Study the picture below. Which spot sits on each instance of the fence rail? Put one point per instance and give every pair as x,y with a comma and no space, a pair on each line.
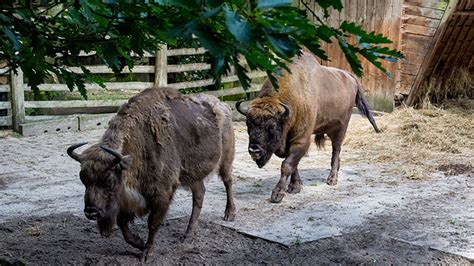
59,117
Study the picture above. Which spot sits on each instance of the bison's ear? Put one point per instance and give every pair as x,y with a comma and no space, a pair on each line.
126,162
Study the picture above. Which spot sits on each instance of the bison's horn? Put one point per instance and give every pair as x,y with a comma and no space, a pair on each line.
72,154
287,110
116,154
237,106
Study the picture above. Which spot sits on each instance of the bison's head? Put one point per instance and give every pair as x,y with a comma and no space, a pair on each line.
266,118
101,174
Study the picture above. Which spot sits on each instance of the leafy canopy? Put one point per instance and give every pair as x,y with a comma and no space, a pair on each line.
43,39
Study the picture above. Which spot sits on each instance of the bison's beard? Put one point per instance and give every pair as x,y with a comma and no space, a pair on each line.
263,160
107,221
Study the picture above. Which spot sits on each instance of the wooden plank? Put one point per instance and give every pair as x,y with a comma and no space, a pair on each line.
92,53
434,4
421,21
51,126
5,105
4,70
107,70
418,40
188,67
207,82
5,121
413,49
4,88
407,78
233,91
38,118
73,103
414,59
186,51
423,11
161,67
92,86
406,67
419,30
17,99
87,122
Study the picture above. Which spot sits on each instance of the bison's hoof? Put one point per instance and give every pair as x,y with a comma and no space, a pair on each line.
295,187
145,254
277,196
332,180
229,216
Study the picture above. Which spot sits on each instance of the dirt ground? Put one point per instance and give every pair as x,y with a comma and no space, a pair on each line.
375,215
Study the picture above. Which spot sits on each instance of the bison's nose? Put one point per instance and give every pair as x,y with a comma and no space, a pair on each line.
255,151
92,213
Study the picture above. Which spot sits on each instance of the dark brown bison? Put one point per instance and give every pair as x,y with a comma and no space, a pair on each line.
156,142
313,99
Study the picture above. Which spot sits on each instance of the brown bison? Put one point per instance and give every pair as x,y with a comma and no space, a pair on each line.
156,142
313,99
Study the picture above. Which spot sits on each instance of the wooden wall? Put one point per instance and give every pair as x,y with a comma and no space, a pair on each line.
381,16
420,21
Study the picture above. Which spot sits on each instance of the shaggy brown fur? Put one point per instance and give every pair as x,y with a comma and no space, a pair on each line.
314,99
169,140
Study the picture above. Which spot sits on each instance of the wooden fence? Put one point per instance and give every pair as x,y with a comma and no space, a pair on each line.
18,107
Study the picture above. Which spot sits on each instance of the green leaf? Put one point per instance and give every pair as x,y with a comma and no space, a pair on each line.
350,55
363,36
237,26
283,46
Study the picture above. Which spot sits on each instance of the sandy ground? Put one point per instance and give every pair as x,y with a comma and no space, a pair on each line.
372,216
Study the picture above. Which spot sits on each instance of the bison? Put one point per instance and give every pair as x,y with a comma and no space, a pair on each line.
313,99
158,141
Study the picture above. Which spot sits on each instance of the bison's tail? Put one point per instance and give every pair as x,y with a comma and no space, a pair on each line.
364,108
319,139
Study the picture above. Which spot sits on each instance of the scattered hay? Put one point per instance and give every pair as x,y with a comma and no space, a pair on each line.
413,141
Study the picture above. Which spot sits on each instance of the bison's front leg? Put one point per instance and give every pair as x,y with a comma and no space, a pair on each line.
288,167
129,237
296,184
155,219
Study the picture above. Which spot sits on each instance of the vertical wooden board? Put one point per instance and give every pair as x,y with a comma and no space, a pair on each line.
161,67
18,100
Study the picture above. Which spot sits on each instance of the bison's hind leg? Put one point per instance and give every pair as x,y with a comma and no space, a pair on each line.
198,190
225,172
336,137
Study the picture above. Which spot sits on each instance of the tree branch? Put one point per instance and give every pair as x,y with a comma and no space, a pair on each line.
312,12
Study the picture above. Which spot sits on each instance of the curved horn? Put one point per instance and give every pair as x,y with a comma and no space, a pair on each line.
237,106
287,110
72,154
116,154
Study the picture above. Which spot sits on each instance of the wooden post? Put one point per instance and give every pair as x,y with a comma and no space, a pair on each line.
161,67
18,99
